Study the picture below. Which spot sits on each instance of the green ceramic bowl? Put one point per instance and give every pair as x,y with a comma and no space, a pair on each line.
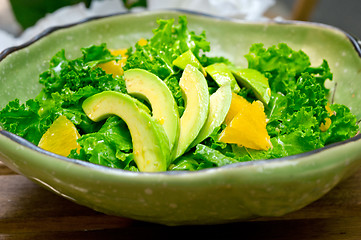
232,193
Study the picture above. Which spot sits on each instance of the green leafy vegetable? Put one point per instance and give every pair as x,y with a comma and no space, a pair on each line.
297,108
24,120
344,125
66,84
111,146
281,64
168,42
72,76
212,156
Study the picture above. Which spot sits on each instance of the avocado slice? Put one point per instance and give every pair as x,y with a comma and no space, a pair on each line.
222,75
195,92
255,80
146,85
188,58
219,104
150,142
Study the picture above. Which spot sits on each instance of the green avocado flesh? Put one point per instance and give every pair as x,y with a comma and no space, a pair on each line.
222,75
195,90
150,142
144,84
219,104
188,58
253,79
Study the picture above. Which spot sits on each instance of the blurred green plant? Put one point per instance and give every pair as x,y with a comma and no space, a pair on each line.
28,12
134,3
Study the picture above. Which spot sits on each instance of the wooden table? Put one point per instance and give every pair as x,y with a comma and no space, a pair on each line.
28,211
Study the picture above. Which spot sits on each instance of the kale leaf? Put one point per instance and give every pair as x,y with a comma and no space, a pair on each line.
66,84
24,120
169,41
110,146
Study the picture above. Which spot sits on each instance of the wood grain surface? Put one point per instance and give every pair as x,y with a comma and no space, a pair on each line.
28,211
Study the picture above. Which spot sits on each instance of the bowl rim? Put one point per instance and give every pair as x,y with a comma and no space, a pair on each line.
354,40
356,43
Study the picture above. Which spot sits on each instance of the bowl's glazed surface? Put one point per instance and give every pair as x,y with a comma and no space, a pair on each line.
235,192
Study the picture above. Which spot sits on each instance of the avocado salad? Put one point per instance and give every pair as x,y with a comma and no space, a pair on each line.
164,104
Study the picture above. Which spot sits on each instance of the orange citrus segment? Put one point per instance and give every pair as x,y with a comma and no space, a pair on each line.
325,126
246,125
115,67
237,104
61,137
142,42
117,52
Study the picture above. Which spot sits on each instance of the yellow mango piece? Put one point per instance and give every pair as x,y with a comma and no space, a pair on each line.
61,137
115,67
246,125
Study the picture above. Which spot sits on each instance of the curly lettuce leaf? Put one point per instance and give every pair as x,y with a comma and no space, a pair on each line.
185,162
75,74
303,107
279,63
169,41
69,82
172,83
66,84
24,120
321,74
343,125
111,146
212,156
296,142
202,157
309,94
177,38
